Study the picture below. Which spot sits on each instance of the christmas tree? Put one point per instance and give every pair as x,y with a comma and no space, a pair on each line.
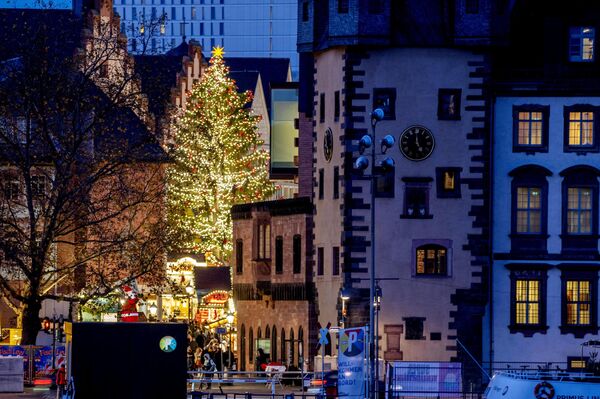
218,163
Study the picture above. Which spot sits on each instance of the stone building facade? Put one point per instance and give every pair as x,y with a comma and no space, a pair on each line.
428,74
272,281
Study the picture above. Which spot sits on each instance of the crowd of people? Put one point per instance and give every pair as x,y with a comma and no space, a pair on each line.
209,353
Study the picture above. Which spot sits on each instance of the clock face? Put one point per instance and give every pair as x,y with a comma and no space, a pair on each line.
167,344
416,143
328,144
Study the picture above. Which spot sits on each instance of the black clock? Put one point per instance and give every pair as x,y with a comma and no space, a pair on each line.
328,144
416,143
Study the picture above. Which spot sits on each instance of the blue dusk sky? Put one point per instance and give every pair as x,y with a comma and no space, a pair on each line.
53,4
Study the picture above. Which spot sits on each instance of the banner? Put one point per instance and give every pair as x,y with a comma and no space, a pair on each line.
42,356
352,363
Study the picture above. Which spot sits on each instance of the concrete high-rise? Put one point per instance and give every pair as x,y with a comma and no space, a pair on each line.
245,28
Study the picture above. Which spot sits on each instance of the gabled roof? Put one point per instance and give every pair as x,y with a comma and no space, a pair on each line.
245,80
272,70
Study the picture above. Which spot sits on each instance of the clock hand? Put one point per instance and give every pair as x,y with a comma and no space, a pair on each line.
417,141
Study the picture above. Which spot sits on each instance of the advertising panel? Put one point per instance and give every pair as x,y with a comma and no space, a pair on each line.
352,362
424,379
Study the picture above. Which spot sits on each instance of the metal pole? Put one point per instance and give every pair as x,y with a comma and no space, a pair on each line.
372,385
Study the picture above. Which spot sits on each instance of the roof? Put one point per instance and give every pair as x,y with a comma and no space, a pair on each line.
291,206
272,70
245,80
158,74
212,278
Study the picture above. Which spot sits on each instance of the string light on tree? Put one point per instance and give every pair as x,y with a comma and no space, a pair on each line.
217,164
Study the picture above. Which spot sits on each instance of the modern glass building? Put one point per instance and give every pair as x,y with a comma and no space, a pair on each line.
245,28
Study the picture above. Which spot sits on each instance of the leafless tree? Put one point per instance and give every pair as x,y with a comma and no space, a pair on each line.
81,206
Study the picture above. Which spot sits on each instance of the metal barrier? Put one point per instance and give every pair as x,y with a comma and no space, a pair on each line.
268,378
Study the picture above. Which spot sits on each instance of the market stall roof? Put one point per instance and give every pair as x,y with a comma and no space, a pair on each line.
175,256
209,279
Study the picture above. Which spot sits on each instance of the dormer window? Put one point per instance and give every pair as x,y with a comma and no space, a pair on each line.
581,44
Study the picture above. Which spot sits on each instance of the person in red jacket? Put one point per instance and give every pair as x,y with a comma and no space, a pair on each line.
61,379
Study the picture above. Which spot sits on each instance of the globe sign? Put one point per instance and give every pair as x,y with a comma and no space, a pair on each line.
167,344
352,342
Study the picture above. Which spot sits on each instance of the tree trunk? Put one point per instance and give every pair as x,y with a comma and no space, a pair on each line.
30,322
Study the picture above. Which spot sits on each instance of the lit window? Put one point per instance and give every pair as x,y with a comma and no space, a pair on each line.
530,128
527,302
142,29
264,241
431,260
38,186
578,303
581,44
163,28
529,210
579,210
581,128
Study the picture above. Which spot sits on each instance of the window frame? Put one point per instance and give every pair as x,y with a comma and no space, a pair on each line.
529,272
580,244
335,261
263,241
580,148
441,191
442,113
522,242
387,179
297,254
336,105
577,32
389,112
578,272
279,255
336,183
320,261
416,183
409,334
428,247
321,107
321,183
529,148
239,256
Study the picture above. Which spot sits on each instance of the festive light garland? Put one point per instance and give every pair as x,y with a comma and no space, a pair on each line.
217,164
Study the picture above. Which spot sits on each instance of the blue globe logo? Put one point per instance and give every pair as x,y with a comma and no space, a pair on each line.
352,342
167,344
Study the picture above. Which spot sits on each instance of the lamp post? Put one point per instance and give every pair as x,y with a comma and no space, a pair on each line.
344,296
362,163
230,319
189,290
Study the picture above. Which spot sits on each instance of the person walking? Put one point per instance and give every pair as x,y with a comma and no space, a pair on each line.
209,369
61,380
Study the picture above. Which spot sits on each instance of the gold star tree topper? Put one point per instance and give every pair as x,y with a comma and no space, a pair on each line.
218,52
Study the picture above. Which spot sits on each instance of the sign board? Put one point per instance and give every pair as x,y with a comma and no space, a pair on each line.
420,379
352,363
221,330
323,336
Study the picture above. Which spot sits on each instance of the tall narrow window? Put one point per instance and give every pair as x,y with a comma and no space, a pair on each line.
264,241
279,255
335,260
322,107
321,183
336,106
336,184
578,302
527,302
581,44
11,189
579,210
528,298
385,98
449,104
529,210
320,261
297,253
239,256
416,198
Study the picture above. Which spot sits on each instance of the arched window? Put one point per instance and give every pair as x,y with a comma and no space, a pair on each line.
243,347
292,344
274,344
580,209
283,351
267,332
251,354
300,342
259,333
432,259
529,204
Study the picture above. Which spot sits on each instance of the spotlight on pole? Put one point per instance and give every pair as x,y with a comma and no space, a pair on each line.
376,116
365,142
361,163
387,164
386,143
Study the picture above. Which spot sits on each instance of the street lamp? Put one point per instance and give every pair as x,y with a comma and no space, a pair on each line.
189,290
230,319
344,296
153,310
362,163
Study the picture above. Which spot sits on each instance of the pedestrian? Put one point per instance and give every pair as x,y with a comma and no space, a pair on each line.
209,369
198,358
261,360
61,379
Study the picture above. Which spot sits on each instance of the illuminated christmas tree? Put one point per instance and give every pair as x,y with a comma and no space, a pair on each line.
217,163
